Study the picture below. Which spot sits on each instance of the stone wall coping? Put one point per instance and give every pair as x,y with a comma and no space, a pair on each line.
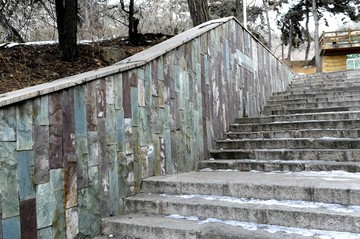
132,62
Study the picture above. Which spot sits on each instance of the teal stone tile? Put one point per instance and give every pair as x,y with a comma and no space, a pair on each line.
148,84
160,68
9,186
8,124
161,102
114,180
128,136
26,173
141,88
145,152
118,87
41,110
177,78
110,90
143,126
134,107
82,163
41,154
111,135
24,122
57,197
72,222
120,130
45,233
11,228
80,111
123,173
44,206
93,148
89,205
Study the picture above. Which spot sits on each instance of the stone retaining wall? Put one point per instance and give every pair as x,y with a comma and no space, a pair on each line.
73,149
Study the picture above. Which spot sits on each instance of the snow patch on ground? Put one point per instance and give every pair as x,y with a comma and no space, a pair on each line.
272,202
273,228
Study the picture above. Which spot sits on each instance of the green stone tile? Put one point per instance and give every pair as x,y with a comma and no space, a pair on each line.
120,130
41,110
110,90
44,208
134,107
89,205
80,111
83,162
57,197
24,122
118,87
111,135
8,124
11,228
9,186
141,87
26,173
168,157
93,148
114,180
72,222
128,136
45,233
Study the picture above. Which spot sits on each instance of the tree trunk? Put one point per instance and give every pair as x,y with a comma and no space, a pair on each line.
66,16
268,22
199,11
317,49
239,11
308,37
290,41
13,34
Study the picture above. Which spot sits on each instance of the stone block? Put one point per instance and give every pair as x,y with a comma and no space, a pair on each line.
72,222
24,122
101,98
45,233
44,209
26,173
91,106
82,162
70,180
41,154
57,198
9,186
118,91
28,219
134,107
11,228
55,146
113,180
120,130
126,95
111,134
94,148
41,110
80,111
8,124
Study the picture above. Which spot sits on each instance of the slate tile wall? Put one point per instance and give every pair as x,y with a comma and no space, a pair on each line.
70,157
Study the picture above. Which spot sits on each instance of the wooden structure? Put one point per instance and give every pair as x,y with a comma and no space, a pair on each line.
340,50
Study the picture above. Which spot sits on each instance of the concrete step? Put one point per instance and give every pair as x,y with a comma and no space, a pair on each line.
278,165
310,110
352,115
314,95
330,104
330,98
339,155
335,90
296,125
306,133
290,143
323,85
152,226
274,212
328,187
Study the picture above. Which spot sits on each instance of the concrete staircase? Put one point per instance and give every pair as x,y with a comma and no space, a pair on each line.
294,172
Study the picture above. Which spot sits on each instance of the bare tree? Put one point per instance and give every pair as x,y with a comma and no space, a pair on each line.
66,16
317,47
199,11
